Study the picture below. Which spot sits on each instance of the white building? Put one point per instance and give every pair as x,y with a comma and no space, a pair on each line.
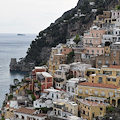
51,94
70,42
71,86
78,68
115,14
42,103
28,114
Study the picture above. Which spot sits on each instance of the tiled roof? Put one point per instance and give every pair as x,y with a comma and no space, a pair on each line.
114,66
25,110
29,111
98,85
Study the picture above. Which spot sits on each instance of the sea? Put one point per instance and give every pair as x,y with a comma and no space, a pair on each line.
11,46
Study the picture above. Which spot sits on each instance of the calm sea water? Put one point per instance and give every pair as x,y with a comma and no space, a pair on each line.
11,46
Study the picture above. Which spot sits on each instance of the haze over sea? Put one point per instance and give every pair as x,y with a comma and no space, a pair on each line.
11,46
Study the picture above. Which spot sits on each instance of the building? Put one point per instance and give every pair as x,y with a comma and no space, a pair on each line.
55,62
39,103
110,91
66,50
64,108
52,93
43,81
94,37
38,69
112,58
71,85
60,76
106,76
28,114
92,107
77,69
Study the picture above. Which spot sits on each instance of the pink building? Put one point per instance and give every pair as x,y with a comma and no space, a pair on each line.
94,37
95,50
66,50
44,81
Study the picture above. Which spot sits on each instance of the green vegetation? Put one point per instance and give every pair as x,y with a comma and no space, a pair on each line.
44,109
35,81
39,84
10,97
57,32
110,109
77,39
70,57
118,7
2,118
29,92
33,97
68,75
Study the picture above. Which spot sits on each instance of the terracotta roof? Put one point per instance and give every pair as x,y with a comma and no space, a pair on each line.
98,85
25,110
114,66
29,111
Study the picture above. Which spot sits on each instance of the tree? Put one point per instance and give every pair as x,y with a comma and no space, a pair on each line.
70,57
77,39
118,7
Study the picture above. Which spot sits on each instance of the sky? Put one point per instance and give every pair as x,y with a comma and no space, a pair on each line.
31,16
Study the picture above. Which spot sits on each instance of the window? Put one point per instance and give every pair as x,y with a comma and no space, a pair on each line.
40,106
87,51
90,41
57,96
86,41
102,51
106,61
86,91
114,79
114,53
52,95
92,51
99,61
72,89
108,79
80,91
97,51
69,89
101,108
111,94
100,80
103,93
96,92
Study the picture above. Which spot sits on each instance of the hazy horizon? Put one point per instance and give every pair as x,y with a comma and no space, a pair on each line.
30,17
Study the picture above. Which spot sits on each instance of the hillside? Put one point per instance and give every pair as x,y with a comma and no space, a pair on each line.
65,27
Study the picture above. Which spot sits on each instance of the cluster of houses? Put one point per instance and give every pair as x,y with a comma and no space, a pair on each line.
82,90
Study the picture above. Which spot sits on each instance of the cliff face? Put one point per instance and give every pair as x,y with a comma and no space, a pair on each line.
64,27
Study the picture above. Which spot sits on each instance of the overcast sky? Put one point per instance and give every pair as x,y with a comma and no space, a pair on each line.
31,16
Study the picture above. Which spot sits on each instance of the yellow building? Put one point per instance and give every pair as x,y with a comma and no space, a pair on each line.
109,91
90,71
65,108
91,107
55,62
107,50
106,76
9,113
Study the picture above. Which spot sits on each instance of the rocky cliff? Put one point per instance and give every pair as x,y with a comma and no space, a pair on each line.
68,25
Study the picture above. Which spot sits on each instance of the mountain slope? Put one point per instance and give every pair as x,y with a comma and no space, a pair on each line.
65,27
